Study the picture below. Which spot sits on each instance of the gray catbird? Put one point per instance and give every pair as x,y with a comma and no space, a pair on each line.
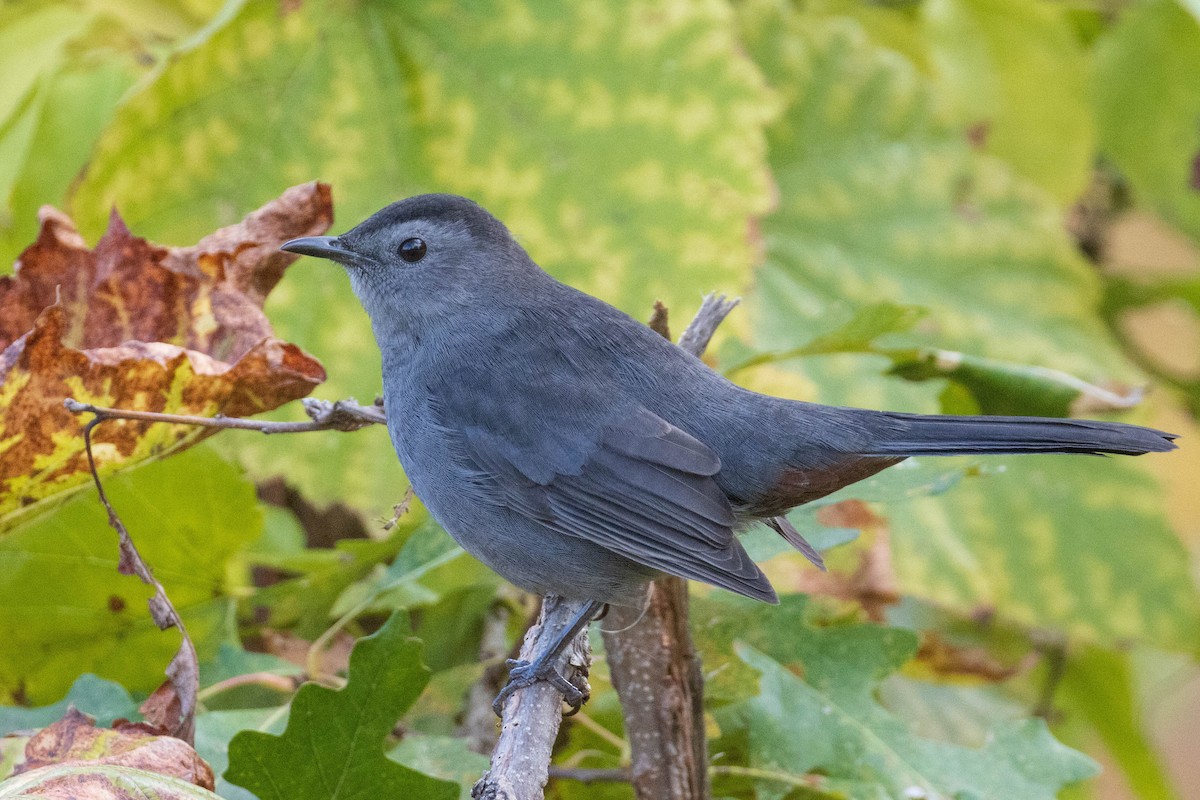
574,450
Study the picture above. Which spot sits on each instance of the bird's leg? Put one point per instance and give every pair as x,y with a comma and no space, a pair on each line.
542,668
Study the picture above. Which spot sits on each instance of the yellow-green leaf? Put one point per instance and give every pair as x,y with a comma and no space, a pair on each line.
1015,77
622,143
1148,107
1079,545
67,611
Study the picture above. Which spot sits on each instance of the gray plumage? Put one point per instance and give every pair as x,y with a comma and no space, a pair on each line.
573,450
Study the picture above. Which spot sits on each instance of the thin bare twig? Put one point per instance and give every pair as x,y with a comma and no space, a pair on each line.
1054,653
587,776
268,680
172,705
699,332
342,415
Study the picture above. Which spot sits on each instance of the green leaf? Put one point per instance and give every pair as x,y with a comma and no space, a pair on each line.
858,334
332,748
623,145
103,700
445,757
65,120
1075,544
214,731
304,603
962,713
853,741
870,748
989,385
882,202
1147,114
1098,685
429,567
1015,74
1001,387
66,609
792,631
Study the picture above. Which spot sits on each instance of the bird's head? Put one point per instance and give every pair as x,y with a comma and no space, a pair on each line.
428,256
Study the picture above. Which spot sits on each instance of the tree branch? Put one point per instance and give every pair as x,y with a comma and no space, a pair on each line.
653,661
521,761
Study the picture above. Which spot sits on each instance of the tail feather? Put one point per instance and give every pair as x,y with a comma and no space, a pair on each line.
920,435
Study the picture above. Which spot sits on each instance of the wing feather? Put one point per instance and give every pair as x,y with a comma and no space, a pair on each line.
645,491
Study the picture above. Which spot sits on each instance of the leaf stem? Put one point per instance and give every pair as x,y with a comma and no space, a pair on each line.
807,781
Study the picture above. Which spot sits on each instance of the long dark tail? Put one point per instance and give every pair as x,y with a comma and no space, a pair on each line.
920,435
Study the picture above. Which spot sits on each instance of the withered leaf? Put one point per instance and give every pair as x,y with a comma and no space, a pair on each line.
133,325
75,740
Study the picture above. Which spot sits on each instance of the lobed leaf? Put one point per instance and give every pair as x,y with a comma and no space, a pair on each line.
136,326
852,743
332,748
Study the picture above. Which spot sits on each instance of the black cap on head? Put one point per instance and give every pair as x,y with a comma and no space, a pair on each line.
440,208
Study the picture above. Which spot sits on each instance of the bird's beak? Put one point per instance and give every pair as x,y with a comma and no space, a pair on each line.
321,247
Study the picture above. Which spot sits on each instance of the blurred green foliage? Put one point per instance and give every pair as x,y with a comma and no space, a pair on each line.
887,182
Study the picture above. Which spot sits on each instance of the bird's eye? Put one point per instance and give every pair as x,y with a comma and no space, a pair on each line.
412,250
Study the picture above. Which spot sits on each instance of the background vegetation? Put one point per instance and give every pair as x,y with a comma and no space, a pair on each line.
957,205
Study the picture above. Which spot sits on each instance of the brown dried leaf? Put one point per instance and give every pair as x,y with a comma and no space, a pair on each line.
943,659
334,658
75,740
133,325
872,584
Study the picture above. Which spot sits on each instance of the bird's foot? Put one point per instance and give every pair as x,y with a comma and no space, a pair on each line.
525,673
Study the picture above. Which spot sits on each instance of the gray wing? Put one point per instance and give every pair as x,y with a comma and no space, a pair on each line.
641,488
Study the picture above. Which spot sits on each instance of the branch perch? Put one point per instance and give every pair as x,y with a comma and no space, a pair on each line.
521,761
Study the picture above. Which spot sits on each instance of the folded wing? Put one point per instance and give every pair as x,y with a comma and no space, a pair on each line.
640,487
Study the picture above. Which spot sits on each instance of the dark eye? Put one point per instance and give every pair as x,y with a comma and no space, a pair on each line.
412,250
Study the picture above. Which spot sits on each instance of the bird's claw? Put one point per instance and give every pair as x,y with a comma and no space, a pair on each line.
523,673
